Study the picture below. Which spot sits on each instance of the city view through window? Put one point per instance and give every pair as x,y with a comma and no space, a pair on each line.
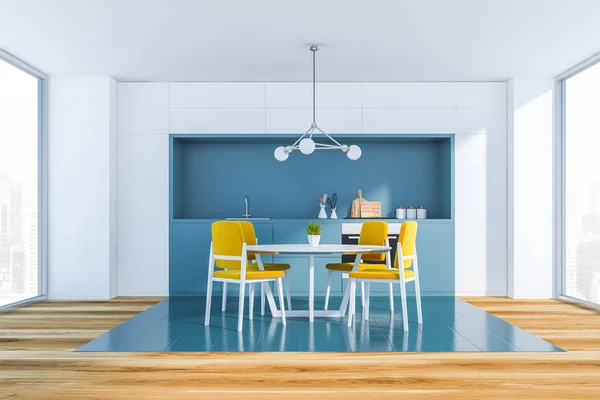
18,184
581,278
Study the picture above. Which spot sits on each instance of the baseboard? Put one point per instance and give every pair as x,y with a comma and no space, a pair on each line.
481,294
163,293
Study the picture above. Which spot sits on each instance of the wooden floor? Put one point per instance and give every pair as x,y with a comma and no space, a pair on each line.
37,362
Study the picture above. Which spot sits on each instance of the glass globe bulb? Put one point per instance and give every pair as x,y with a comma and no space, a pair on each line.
354,152
281,154
307,146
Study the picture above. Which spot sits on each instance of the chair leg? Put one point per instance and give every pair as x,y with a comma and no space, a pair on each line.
251,301
208,301
391,296
328,289
362,293
262,298
286,282
352,308
418,294
224,301
241,306
404,307
280,290
367,299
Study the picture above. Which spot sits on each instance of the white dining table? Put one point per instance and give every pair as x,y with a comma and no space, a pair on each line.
311,252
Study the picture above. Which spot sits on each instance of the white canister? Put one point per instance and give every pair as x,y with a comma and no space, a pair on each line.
421,213
411,213
401,213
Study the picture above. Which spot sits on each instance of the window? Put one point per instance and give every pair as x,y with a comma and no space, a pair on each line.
21,134
580,117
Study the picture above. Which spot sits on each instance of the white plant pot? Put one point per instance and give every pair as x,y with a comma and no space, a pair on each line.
333,214
314,240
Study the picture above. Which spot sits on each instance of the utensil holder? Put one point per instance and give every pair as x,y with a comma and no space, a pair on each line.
322,213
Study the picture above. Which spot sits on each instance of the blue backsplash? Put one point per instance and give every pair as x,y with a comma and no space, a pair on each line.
210,176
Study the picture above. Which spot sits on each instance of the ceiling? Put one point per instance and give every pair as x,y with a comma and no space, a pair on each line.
260,40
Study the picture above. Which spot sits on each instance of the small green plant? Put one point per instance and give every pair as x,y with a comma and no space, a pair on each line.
313,228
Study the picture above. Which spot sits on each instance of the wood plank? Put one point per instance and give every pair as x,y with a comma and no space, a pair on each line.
37,362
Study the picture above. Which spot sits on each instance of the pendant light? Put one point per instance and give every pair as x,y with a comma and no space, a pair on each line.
305,143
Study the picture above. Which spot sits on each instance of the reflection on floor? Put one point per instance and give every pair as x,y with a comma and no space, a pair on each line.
449,324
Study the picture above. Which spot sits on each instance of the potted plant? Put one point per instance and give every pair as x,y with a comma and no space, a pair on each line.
314,233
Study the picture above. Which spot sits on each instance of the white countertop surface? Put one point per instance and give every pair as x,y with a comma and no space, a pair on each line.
321,249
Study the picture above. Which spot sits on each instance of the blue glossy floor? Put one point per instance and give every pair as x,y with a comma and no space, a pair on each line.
449,324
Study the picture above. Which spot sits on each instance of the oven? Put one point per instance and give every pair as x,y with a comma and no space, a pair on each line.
353,239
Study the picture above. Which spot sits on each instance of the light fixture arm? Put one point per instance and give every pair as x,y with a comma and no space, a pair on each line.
314,48
306,144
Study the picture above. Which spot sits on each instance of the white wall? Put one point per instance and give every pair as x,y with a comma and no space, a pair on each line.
143,189
530,184
81,177
148,112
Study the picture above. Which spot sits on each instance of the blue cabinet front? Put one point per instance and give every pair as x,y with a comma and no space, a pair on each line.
190,246
188,258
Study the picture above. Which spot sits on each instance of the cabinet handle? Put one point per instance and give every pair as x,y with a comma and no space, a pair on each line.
358,237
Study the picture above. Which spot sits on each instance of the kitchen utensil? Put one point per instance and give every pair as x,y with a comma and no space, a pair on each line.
362,208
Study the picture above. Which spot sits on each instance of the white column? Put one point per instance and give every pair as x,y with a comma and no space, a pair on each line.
81,187
530,188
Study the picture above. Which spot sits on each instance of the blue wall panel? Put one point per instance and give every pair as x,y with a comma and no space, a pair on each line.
215,177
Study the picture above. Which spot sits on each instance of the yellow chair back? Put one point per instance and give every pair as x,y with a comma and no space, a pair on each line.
408,238
373,233
227,240
249,236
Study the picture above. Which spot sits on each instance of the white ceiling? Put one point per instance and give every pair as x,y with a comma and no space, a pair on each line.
260,40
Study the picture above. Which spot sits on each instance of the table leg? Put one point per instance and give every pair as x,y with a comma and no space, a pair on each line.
346,297
268,293
311,289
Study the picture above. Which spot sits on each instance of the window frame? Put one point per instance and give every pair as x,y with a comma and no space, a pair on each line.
42,213
560,179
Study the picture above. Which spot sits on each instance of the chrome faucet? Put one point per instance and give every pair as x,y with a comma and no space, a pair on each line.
246,215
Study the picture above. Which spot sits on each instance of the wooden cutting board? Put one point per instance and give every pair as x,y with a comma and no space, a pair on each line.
362,208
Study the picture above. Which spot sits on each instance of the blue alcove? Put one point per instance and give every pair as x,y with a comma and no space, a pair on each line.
211,176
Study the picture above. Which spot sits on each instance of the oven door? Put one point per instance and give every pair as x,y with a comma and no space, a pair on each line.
353,239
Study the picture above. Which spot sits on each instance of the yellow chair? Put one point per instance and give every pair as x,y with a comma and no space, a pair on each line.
251,239
408,250
372,233
228,253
